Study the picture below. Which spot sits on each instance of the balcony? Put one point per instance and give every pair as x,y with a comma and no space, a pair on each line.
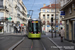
23,19
18,15
23,13
66,4
7,10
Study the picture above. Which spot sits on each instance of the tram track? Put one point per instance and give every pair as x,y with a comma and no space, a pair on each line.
35,44
43,45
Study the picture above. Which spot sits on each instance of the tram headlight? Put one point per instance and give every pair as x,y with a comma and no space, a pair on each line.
31,32
38,32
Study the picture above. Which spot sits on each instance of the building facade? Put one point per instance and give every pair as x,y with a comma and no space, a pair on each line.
46,13
69,18
12,12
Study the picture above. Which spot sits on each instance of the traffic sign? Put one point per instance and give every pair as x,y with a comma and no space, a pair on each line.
9,18
56,25
48,26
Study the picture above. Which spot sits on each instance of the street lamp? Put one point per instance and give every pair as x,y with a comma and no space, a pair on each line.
52,26
55,18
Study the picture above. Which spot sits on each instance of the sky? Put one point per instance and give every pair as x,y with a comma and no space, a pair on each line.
35,5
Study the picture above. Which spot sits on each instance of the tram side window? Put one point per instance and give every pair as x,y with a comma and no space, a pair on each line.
39,28
30,26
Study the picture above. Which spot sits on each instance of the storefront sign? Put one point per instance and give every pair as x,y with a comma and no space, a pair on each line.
62,13
21,24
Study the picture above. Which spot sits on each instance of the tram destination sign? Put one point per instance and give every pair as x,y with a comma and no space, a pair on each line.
34,21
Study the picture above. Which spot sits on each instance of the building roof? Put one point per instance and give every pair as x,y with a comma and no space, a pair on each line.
51,7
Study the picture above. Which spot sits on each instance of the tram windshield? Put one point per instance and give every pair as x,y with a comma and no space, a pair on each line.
35,27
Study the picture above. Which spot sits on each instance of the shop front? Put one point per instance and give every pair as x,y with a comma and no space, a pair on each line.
73,35
70,30
1,26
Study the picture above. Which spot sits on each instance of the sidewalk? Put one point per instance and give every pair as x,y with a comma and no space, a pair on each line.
63,45
13,34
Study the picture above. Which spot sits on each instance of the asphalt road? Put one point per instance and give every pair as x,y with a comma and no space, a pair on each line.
7,41
36,44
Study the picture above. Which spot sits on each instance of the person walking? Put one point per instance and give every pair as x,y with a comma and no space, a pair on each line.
62,34
59,32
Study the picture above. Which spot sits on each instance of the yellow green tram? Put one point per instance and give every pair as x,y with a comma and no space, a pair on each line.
34,28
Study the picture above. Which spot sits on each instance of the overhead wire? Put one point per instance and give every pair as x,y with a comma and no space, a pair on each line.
31,9
33,5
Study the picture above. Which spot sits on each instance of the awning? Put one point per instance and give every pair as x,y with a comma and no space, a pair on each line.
72,17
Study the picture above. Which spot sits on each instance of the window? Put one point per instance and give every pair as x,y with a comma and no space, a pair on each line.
18,7
47,22
1,15
48,16
52,10
34,27
47,10
73,6
43,22
70,10
18,14
52,15
1,3
44,16
57,16
43,10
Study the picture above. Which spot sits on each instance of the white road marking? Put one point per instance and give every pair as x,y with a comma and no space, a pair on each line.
11,48
54,43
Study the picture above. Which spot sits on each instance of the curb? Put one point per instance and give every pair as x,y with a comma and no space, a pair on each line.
54,43
14,46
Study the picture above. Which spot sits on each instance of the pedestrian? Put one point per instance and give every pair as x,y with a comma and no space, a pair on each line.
62,34
59,32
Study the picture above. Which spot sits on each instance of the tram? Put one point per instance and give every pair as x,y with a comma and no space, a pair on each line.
34,28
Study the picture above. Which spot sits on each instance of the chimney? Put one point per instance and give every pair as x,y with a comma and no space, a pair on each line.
50,4
44,5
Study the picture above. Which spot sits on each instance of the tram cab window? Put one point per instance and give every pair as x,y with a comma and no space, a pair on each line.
30,26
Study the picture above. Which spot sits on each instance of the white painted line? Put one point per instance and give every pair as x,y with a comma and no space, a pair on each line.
72,43
54,43
11,48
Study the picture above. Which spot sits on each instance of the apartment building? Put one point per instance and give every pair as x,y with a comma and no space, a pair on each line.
12,13
46,13
69,18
